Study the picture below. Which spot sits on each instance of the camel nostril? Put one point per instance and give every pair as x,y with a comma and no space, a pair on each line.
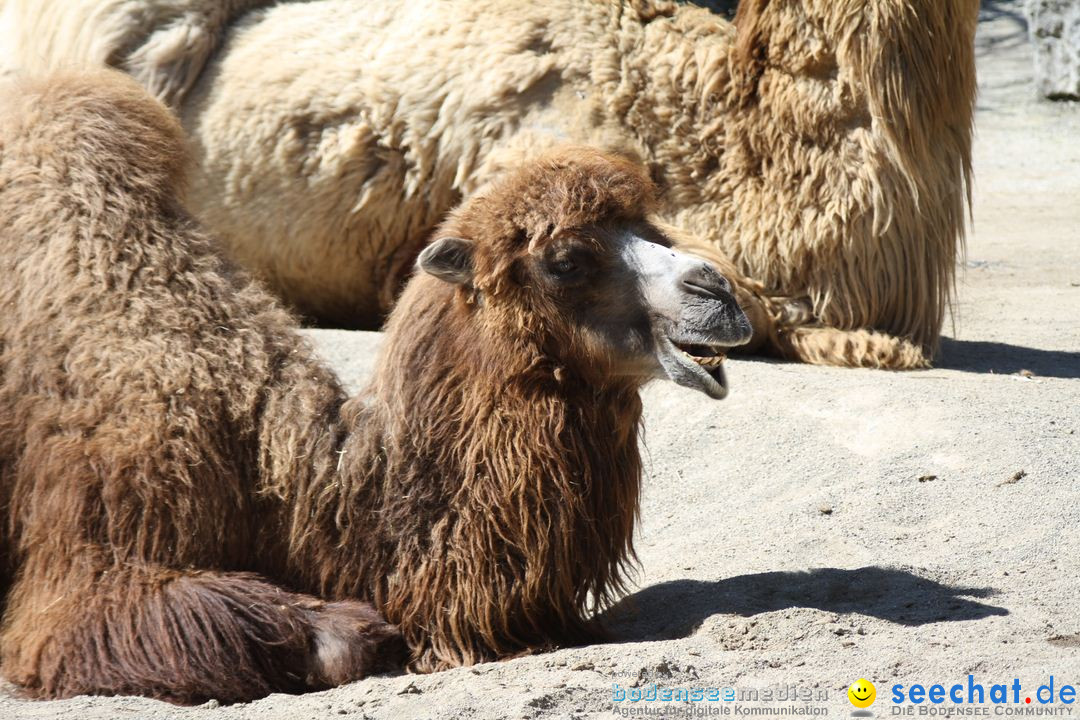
697,289
704,280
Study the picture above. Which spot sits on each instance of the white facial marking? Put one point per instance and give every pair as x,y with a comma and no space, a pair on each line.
659,270
691,309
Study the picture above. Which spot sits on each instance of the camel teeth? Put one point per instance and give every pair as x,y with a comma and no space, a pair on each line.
712,361
708,361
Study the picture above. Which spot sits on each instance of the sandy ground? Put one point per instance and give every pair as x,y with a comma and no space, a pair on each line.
823,525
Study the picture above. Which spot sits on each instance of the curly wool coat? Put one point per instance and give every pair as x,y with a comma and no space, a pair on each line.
822,147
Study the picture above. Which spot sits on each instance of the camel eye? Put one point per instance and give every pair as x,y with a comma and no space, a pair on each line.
568,264
562,267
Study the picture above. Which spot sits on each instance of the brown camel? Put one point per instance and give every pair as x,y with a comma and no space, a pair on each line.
192,509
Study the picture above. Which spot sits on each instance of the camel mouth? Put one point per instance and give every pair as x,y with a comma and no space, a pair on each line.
697,366
704,355
709,358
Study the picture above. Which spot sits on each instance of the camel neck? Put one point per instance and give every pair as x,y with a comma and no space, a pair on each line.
462,481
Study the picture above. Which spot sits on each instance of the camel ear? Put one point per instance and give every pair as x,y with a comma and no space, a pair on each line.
448,259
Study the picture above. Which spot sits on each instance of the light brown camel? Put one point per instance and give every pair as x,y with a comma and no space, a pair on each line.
820,148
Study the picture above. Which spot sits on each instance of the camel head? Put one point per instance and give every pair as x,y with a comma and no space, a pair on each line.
564,251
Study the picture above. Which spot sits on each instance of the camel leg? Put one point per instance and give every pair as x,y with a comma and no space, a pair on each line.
849,348
787,327
184,636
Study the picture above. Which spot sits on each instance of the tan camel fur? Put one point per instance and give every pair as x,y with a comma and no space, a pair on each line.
821,148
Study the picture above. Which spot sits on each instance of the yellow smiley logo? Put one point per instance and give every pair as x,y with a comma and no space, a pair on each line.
862,693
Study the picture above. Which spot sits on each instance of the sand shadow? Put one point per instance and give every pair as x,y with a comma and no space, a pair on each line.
1004,359
1010,26
1011,10
676,609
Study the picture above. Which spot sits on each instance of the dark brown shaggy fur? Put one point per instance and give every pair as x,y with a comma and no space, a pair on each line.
191,507
507,467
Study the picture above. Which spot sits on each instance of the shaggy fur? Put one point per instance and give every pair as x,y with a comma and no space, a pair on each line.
822,146
148,396
192,508
164,44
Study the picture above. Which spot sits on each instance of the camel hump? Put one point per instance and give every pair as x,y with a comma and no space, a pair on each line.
98,129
